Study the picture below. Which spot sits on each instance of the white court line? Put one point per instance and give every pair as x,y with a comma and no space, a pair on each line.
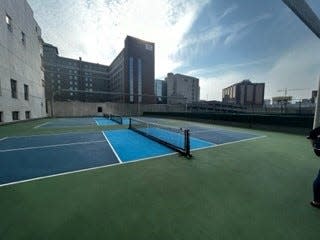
98,124
80,171
243,140
159,156
106,166
41,125
53,134
59,174
49,146
200,140
115,153
228,143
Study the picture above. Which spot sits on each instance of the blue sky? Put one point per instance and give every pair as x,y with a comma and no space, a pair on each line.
219,41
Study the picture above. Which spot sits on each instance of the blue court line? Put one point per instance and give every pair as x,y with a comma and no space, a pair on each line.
100,121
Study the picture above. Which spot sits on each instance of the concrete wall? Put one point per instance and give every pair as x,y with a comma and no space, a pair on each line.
19,61
80,109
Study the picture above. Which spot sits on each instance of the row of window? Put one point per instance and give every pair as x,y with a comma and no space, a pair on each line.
14,90
72,83
72,77
10,28
16,115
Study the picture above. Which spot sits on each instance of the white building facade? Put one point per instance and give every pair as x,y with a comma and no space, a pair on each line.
182,89
22,94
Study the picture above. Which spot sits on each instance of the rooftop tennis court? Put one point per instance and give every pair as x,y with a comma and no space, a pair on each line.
31,157
247,185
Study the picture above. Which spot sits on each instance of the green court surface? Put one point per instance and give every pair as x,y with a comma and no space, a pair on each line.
258,189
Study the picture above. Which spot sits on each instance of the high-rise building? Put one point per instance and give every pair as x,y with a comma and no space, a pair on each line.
182,89
160,91
77,76
128,79
132,72
244,93
21,76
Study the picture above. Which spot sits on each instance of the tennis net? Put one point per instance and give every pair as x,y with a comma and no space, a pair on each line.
177,139
116,118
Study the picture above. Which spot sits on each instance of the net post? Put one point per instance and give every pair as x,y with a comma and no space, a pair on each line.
187,142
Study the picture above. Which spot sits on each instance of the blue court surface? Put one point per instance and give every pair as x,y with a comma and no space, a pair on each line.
30,157
78,122
104,121
220,136
138,147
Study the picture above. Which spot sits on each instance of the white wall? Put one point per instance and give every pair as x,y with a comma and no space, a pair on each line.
20,62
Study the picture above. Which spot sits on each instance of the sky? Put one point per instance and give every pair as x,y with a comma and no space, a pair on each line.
221,42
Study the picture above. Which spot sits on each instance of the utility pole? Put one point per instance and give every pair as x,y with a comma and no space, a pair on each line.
306,14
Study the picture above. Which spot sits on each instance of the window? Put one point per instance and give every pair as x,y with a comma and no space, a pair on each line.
26,92
27,114
9,22
1,117
15,116
139,80
23,38
13,88
99,109
131,78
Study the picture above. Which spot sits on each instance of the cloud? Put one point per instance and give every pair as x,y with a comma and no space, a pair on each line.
296,68
228,11
218,34
211,87
96,29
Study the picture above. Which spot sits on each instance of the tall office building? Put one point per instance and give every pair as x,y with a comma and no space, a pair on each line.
182,89
21,76
128,79
132,72
244,93
80,78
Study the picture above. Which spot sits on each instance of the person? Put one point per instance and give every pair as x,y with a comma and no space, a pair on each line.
314,136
